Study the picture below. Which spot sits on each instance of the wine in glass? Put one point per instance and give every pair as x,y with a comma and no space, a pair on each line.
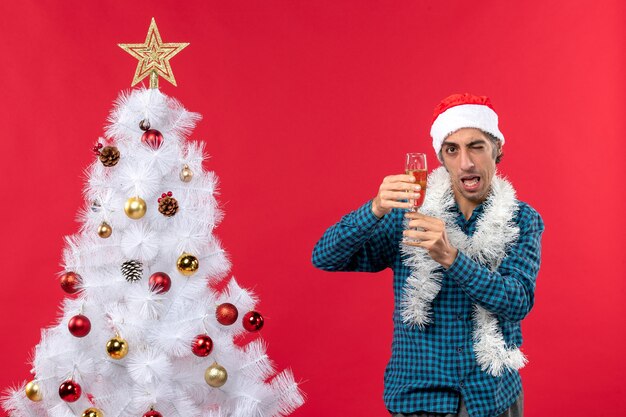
416,166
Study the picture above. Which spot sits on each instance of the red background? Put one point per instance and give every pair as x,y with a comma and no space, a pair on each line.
307,105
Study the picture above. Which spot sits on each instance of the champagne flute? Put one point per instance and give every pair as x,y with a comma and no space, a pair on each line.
416,166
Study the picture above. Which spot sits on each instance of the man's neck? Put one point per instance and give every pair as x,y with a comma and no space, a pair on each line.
465,206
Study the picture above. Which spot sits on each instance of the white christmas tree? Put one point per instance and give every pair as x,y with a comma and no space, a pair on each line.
145,332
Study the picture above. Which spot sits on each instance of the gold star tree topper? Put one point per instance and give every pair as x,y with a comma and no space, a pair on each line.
154,57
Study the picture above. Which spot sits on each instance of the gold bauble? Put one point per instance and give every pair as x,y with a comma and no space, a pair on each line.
186,174
104,230
33,392
135,208
215,375
92,412
117,347
187,264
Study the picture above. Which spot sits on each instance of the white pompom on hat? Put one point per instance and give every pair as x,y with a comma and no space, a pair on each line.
463,110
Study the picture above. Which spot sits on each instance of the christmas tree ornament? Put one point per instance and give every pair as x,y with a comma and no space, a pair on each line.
95,206
117,348
153,138
226,314
104,230
70,281
144,125
154,57
187,264
152,413
168,206
215,375
202,345
186,174
252,321
79,325
135,208
132,270
96,148
33,392
109,156
92,412
69,391
160,282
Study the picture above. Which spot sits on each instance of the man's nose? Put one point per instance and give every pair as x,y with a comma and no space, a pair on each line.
466,161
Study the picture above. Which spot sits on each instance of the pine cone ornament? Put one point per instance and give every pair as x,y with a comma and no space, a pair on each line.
168,206
132,270
109,156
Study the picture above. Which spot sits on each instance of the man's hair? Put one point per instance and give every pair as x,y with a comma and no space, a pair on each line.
496,146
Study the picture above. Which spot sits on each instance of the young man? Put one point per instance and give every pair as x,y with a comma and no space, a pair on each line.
464,271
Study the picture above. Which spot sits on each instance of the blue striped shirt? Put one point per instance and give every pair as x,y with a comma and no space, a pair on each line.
429,370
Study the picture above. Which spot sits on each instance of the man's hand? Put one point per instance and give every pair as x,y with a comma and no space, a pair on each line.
394,189
430,233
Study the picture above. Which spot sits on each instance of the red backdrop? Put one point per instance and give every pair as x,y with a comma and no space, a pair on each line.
307,106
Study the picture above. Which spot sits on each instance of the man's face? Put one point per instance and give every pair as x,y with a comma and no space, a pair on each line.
468,155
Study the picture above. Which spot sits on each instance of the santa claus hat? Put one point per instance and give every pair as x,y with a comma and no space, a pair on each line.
463,110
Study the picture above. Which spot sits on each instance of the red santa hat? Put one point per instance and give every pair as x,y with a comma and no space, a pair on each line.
463,110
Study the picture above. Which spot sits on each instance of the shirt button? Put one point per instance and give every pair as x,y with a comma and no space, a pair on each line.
459,349
459,316
461,384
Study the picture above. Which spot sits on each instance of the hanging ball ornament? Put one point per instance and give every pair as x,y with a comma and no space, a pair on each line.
33,392
144,125
160,282
135,208
253,321
153,138
104,230
202,345
117,348
69,391
187,264
92,412
226,314
79,325
215,375
152,413
70,282
186,174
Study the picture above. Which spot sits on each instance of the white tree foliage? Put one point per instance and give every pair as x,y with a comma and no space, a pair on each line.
160,369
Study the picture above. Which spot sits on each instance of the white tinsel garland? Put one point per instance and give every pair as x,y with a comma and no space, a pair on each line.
495,231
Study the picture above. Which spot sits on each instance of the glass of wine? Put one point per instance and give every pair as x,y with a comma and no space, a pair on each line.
416,166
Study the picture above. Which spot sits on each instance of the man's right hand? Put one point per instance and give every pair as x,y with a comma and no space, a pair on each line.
392,191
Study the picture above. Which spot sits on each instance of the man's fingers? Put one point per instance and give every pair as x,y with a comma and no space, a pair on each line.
399,186
398,195
396,204
399,178
423,236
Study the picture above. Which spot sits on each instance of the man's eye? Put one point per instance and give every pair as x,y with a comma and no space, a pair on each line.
450,150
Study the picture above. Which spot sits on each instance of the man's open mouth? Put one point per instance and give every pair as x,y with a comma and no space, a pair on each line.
470,182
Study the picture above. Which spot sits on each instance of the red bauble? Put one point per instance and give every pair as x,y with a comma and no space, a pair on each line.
153,138
69,391
79,325
160,282
70,282
226,314
153,413
202,345
253,321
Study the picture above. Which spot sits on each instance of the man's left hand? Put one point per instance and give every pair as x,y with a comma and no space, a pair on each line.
430,236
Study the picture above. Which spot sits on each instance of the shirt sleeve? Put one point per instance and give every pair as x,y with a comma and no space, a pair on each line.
509,292
359,242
